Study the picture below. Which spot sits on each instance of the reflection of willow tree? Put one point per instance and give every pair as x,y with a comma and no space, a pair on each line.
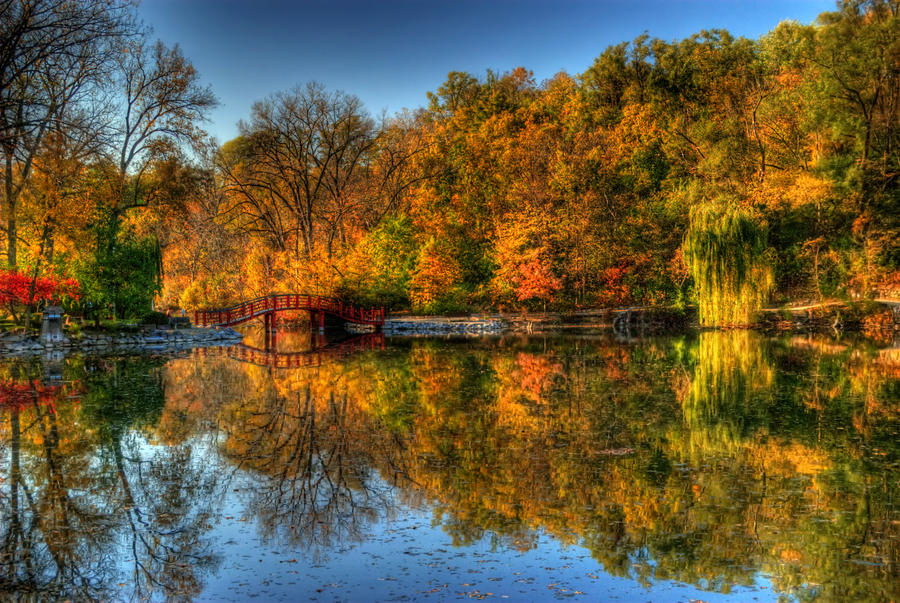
731,392
310,452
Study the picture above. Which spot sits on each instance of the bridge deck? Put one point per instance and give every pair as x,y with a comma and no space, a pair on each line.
270,304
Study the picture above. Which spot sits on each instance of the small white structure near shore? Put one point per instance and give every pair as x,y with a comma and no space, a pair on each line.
51,325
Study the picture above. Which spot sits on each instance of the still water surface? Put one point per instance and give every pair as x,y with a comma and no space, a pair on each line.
714,467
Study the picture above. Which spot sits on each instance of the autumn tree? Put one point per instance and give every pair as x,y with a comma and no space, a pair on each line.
21,293
161,103
54,57
857,75
713,168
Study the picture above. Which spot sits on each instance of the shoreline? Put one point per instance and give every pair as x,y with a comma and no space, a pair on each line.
877,320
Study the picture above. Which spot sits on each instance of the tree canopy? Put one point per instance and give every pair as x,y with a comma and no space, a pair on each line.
714,170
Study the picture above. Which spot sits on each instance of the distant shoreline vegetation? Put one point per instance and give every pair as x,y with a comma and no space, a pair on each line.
722,172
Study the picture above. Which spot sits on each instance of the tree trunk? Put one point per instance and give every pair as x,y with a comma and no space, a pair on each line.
816,272
11,210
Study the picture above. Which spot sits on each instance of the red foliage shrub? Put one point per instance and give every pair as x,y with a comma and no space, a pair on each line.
18,290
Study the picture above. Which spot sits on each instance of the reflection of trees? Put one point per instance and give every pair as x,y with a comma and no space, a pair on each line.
311,456
814,432
705,460
698,461
167,501
87,497
163,499
46,506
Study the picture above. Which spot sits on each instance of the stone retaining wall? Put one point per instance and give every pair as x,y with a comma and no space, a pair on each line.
443,326
152,340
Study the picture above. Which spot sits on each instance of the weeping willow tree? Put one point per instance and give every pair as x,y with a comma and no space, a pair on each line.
730,393
726,249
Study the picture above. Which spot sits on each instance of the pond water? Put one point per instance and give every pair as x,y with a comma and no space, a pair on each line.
717,466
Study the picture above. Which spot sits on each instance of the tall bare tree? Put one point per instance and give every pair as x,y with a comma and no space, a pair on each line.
297,164
161,104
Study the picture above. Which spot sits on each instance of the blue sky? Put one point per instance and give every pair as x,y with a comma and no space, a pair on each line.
390,53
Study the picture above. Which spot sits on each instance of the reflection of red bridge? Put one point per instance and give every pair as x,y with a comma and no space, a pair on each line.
293,360
268,306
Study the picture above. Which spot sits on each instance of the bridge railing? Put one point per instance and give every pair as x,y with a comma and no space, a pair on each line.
300,301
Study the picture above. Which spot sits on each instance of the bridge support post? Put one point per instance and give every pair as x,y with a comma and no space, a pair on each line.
317,340
317,321
270,330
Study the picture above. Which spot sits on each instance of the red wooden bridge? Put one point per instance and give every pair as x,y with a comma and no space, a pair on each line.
268,306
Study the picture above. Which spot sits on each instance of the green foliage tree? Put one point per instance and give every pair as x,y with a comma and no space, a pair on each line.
389,257
855,81
122,275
